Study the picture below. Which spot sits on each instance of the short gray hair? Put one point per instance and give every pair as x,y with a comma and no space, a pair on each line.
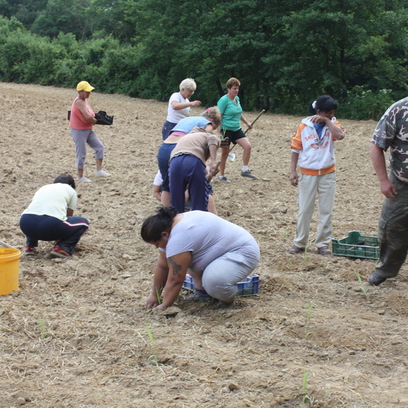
188,84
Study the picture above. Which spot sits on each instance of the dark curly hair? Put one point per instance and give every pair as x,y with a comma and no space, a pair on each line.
154,225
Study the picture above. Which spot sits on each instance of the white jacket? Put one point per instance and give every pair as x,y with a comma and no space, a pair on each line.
316,155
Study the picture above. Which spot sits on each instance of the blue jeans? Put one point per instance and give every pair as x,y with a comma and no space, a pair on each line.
163,158
46,228
167,128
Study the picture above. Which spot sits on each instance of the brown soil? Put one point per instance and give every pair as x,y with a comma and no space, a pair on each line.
77,334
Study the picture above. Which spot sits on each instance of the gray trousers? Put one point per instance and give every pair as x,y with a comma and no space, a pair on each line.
221,276
81,138
393,231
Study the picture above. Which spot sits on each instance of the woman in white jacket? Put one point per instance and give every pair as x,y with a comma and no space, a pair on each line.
313,149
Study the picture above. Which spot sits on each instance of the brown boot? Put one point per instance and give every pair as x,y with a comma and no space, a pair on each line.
296,250
324,250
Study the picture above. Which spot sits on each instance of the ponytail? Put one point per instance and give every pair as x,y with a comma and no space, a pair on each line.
154,225
324,103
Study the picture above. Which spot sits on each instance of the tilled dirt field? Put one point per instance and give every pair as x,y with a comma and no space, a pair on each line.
77,334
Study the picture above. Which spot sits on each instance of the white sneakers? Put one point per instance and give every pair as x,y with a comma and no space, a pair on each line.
100,173
86,180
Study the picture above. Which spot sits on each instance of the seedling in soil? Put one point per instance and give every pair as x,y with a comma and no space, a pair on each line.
362,287
158,295
308,316
153,358
304,387
43,331
306,253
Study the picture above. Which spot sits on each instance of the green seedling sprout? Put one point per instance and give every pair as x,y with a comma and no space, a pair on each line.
306,253
304,386
153,357
308,316
43,331
150,334
158,295
362,287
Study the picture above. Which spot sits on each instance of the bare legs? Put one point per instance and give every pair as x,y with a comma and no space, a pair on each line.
246,155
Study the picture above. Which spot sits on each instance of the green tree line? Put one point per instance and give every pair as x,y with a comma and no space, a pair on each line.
284,53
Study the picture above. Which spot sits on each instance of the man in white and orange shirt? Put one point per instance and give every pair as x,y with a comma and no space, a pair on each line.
313,149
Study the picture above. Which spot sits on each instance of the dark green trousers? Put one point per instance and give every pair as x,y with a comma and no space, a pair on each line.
393,231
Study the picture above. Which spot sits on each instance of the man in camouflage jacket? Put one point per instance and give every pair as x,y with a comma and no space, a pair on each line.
392,132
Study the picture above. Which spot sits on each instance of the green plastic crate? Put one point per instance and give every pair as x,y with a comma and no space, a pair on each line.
356,245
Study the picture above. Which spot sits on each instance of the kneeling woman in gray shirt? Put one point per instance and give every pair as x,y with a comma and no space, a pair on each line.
217,253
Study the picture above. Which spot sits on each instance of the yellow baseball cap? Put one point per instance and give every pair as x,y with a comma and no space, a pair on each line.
84,86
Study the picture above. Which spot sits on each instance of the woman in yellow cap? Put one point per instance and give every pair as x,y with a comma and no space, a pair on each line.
81,121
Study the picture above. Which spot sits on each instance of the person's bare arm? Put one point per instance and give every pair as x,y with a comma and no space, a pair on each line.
378,160
182,105
156,192
294,178
159,281
244,119
178,265
82,106
337,132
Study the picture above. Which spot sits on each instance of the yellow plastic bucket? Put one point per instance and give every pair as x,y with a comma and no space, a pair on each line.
9,270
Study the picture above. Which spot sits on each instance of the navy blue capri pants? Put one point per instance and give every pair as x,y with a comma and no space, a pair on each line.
46,228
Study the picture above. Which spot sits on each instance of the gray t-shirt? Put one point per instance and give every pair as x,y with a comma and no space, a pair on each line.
208,237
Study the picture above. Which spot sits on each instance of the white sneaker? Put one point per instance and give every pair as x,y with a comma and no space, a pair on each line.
102,173
86,180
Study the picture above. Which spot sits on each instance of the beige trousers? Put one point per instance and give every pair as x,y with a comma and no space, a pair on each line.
324,187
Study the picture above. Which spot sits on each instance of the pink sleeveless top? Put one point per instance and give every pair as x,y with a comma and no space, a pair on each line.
77,119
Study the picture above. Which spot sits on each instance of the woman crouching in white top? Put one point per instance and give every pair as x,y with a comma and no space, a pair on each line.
217,253
50,217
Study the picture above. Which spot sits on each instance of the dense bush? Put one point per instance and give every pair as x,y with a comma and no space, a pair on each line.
284,53
362,103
